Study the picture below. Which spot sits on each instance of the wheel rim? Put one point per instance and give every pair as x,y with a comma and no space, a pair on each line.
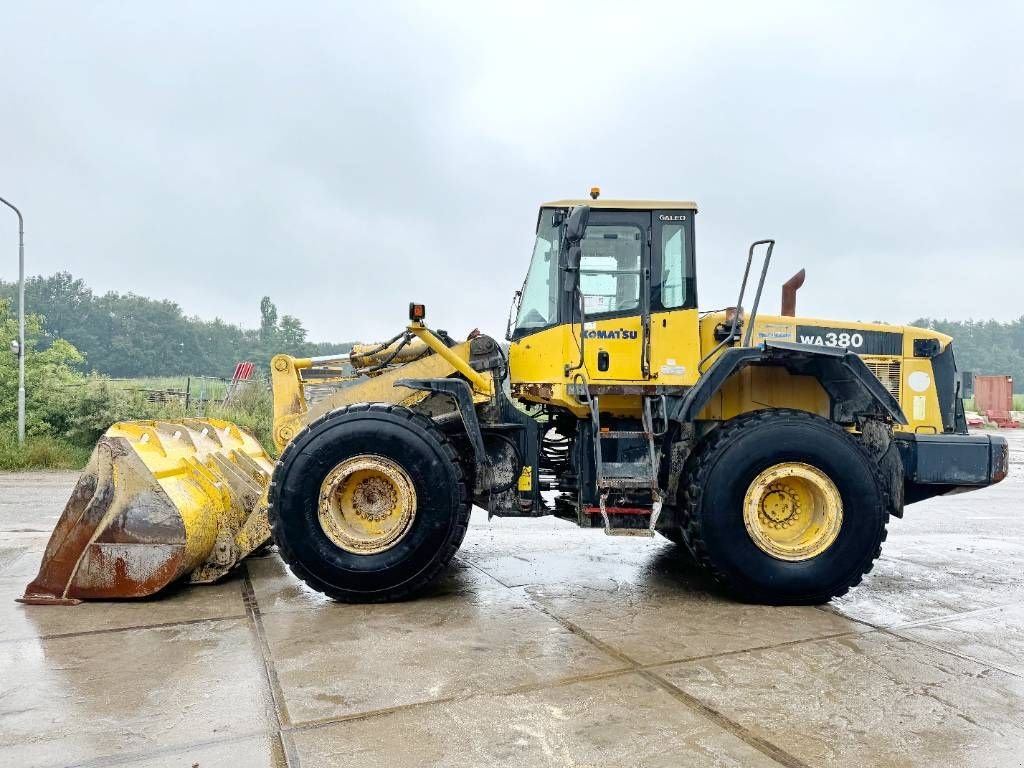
793,511
367,504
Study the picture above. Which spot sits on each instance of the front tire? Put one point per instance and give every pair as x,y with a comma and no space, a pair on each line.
369,503
784,507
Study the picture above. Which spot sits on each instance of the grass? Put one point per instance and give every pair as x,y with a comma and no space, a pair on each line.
201,388
40,452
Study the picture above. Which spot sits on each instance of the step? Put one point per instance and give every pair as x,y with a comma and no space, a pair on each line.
626,469
624,483
653,514
626,474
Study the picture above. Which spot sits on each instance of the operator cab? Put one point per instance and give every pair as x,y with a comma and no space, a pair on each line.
617,290
632,252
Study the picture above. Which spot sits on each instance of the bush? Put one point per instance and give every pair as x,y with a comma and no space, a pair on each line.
251,408
66,411
40,452
97,404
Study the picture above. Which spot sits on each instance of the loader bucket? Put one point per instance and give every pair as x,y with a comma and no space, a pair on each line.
158,501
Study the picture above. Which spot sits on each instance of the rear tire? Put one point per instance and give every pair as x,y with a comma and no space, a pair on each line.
724,474
416,551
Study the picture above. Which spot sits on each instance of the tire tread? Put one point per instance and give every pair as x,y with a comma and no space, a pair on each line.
455,538
698,471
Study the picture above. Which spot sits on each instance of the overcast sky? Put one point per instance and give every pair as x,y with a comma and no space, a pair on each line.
346,158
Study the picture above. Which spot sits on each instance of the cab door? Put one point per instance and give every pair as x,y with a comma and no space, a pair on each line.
614,278
674,335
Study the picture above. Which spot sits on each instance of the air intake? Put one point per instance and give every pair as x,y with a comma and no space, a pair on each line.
887,372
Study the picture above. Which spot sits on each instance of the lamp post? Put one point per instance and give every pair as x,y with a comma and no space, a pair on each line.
21,321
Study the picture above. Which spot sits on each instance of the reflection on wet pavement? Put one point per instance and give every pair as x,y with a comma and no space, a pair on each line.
542,645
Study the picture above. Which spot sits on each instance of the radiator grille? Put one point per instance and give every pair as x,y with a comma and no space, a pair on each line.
887,372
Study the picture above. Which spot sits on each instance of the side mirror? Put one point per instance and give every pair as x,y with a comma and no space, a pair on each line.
576,226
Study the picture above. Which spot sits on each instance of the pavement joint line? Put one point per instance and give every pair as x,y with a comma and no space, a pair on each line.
277,710
762,745
112,630
829,609
895,632
565,681
694,704
635,665
126,758
956,654
296,727
312,725
474,566
289,753
756,648
918,622
931,566
949,617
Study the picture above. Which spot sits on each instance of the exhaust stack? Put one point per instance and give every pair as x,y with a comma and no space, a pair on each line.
789,289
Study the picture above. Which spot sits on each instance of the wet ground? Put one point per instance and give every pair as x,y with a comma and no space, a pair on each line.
544,645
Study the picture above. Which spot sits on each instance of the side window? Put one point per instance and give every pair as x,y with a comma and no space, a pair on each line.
610,269
673,270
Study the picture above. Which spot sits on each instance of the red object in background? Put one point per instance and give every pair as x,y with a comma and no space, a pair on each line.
244,371
993,396
993,393
1001,419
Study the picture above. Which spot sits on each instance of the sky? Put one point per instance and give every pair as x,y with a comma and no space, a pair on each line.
348,158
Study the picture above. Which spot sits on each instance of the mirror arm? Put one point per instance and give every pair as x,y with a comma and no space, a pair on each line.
513,311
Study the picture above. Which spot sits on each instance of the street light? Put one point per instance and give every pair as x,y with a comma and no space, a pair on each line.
21,321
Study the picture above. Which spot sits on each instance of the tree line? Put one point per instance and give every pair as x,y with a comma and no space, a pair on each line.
985,346
127,335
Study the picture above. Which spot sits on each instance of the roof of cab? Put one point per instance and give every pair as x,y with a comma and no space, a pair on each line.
641,205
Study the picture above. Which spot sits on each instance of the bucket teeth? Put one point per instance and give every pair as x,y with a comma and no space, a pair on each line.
157,502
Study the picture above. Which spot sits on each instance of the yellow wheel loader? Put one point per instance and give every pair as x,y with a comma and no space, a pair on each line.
772,449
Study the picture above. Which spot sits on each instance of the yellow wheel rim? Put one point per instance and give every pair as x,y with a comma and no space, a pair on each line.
367,504
793,511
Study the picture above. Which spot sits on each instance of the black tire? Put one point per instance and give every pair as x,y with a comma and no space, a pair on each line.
435,534
718,476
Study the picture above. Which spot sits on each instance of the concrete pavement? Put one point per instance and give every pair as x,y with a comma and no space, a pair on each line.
543,645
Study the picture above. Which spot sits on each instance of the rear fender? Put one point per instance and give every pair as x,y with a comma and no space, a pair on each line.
854,392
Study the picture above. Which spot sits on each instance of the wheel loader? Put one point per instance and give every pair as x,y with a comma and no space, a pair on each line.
772,449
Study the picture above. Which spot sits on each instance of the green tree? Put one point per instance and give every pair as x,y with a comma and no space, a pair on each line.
127,335
268,320
50,377
291,335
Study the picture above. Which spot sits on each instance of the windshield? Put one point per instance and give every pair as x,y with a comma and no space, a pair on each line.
538,306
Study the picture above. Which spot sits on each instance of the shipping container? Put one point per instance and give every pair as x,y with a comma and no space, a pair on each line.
993,393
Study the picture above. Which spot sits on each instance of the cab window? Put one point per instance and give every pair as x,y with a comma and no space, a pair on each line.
539,300
673,271
610,269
